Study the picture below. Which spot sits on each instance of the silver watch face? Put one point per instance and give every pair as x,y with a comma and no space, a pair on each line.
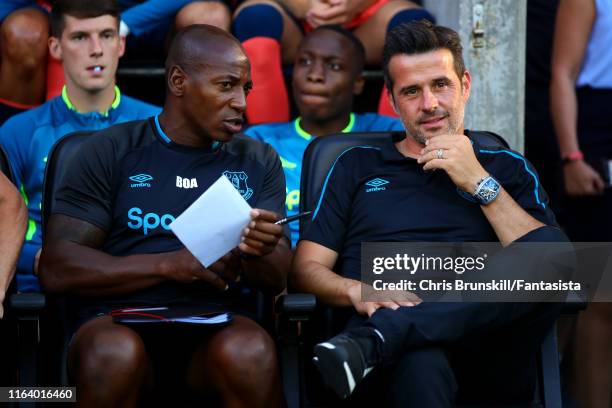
487,190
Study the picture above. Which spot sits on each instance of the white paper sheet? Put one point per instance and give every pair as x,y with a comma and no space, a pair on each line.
213,224
218,319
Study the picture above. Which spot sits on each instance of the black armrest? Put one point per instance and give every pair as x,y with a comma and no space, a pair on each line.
27,302
297,306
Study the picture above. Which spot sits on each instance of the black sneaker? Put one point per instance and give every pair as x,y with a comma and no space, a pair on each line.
342,361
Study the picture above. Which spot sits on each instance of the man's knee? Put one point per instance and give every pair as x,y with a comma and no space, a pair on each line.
107,353
214,13
23,37
250,351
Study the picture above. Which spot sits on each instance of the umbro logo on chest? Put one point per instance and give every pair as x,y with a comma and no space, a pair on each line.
376,184
185,182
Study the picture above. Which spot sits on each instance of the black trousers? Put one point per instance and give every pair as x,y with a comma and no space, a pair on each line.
439,354
435,353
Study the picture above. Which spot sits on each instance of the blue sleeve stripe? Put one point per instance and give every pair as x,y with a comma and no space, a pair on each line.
527,169
330,172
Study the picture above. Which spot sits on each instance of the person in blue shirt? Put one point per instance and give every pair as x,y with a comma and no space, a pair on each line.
85,37
147,24
327,75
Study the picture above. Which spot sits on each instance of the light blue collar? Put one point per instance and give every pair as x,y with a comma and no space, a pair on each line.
215,145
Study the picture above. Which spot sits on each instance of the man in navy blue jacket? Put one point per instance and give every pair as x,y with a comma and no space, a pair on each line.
436,184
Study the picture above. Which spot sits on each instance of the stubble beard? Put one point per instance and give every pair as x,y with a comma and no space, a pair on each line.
454,125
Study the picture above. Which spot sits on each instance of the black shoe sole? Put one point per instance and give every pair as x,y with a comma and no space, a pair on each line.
331,366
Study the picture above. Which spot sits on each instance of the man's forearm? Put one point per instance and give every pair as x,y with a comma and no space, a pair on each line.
564,111
569,50
329,287
71,268
13,218
508,219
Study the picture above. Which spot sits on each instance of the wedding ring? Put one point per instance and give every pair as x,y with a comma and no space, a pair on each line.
440,154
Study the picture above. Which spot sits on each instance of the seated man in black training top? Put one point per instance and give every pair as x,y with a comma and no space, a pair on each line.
108,243
431,353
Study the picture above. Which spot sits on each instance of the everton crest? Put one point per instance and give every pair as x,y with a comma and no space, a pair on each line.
239,180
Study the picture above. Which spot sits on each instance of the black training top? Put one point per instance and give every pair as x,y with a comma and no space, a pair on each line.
131,181
374,194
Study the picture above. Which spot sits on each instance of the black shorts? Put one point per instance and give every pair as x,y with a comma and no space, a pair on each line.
170,348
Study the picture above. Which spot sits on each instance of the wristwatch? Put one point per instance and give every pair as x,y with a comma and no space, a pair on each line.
487,190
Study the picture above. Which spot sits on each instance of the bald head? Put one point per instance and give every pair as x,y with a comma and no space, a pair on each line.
200,45
208,77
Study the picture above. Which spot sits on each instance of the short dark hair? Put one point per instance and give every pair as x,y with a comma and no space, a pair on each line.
419,37
357,45
80,9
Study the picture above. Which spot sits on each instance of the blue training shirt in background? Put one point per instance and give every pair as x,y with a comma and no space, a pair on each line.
28,138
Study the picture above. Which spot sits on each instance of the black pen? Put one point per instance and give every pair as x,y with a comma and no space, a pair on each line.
284,221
